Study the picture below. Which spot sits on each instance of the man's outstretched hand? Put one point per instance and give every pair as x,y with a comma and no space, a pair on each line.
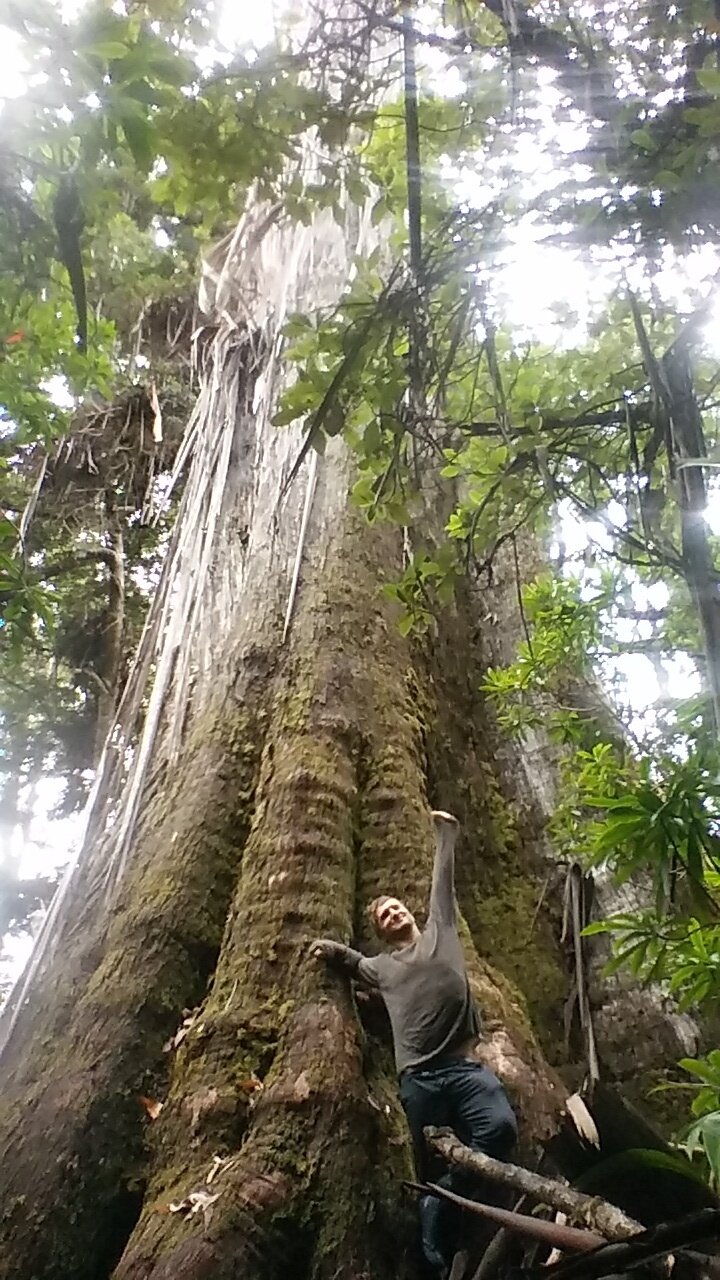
323,949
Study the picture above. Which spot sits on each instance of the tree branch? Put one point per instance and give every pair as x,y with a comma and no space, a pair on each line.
640,415
600,1216
103,555
657,1242
551,1233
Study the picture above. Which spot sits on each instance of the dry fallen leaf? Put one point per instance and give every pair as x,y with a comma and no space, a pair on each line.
216,1166
152,1106
196,1202
187,1024
583,1121
556,1255
251,1085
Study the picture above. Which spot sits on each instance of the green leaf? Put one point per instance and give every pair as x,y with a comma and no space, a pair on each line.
597,926
643,139
668,180
172,68
284,417
632,956
709,79
140,137
702,1068
616,830
108,49
694,856
639,1161
379,211
705,1132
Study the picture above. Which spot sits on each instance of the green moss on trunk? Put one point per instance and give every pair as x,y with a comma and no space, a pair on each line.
72,1128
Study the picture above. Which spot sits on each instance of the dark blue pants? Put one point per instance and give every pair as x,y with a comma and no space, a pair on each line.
467,1098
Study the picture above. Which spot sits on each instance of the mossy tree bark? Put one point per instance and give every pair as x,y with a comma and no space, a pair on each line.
289,782
531,775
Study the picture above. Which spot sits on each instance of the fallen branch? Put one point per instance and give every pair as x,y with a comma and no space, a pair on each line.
657,1242
551,1233
600,1216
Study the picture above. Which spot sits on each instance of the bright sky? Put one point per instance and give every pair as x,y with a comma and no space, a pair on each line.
534,279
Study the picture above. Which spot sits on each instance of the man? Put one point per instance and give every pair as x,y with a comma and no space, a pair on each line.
435,1027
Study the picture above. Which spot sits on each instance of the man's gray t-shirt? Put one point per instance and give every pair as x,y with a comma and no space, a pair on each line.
424,986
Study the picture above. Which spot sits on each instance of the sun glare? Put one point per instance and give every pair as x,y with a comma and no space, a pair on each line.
240,23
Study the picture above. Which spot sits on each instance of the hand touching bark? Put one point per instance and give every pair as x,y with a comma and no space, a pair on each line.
325,949
337,954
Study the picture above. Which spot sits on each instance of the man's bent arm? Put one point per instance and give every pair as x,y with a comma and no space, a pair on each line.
442,893
353,962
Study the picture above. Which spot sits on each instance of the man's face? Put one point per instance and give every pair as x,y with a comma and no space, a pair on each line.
393,920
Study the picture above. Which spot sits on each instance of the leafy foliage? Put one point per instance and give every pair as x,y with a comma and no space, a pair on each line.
563,642
704,1133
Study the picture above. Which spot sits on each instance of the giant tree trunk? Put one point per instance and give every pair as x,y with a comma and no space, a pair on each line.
277,786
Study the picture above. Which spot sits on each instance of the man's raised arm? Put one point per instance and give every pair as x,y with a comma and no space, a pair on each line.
442,893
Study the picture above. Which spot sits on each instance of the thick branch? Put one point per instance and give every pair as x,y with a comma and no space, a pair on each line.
99,555
618,417
552,1233
592,1212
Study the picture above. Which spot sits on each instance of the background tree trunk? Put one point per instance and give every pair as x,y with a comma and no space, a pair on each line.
276,787
111,655
622,1011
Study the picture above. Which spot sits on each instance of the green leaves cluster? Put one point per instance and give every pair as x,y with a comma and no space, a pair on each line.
428,582
562,643
667,820
703,1135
